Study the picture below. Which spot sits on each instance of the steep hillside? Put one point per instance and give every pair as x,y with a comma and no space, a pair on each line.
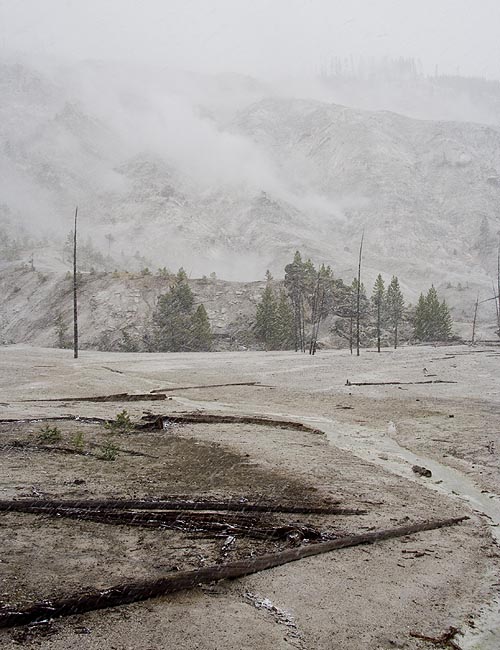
113,304
187,177
115,310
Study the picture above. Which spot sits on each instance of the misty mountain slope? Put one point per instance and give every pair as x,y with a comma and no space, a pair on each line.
186,177
419,187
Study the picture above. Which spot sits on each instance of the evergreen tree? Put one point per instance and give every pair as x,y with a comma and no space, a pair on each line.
421,320
300,278
378,305
321,302
432,318
445,322
201,332
266,321
346,310
175,319
484,243
395,307
285,328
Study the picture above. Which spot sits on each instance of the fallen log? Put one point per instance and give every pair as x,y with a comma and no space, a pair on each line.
161,421
398,383
139,590
211,523
184,505
239,383
54,418
155,395
118,397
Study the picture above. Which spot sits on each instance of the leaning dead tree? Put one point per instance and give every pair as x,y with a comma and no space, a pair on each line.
75,293
358,294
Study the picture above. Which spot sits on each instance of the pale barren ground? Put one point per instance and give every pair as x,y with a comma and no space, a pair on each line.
364,597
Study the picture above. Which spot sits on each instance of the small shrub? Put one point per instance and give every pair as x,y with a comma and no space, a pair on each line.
78,441
109,451
49,434
121,423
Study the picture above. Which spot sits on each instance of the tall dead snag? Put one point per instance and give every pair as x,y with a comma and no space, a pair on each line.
75,294
496,305
133,591
358,294
473,337
497,301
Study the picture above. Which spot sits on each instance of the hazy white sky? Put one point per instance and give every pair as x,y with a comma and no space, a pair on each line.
258,37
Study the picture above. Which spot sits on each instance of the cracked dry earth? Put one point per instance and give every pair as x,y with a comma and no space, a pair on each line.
365,597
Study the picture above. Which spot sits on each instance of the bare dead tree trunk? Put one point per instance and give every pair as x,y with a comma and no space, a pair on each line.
351,327
317,309
317,323
302,325
75,296
497,302
473,337
358,296
378,326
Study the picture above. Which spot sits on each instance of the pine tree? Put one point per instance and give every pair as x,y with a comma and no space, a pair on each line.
285,328
378,305
300,279
173,318
484,241
201,332
347,311
266,319
421,320
445,322
432,318
395,307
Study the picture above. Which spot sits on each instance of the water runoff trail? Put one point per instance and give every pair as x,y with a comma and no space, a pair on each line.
379,448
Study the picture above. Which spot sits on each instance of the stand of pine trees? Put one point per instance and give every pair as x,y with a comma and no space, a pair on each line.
289,315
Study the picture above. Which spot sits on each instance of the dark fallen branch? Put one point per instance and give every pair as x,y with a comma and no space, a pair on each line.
184,505
54,418
154,396
211,523
118,397
162,421
446,640
240,383
133,591
398,383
